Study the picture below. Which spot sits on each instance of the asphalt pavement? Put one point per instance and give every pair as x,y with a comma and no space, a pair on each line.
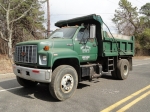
103,94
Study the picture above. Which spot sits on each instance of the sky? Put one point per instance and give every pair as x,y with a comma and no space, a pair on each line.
67,9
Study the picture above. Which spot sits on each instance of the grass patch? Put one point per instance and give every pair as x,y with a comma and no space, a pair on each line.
141,57
5,64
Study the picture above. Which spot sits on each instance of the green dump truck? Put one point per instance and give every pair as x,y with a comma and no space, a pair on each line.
78,50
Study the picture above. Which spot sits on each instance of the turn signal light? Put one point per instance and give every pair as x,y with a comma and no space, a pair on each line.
46,48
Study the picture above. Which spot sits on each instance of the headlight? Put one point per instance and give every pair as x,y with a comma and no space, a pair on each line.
42,59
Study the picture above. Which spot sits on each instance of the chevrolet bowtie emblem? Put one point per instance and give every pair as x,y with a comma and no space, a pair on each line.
23,54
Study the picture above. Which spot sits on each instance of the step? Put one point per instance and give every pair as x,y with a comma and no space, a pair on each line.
110,59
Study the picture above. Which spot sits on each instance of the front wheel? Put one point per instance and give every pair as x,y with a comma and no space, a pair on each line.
64,82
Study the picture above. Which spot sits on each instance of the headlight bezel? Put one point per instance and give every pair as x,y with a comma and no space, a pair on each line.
42,59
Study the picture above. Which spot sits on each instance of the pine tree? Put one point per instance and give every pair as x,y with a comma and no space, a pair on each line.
145,11
145,20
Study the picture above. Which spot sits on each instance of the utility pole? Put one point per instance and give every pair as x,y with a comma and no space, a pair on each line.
48,18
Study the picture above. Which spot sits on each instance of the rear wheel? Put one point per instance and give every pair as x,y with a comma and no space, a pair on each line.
122,70
64,82
114,74
26,83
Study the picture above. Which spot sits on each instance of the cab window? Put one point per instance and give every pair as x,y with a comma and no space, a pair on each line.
83,34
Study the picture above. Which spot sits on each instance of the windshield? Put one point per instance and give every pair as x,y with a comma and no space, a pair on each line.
64,33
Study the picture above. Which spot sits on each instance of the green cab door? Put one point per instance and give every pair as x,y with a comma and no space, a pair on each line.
85,46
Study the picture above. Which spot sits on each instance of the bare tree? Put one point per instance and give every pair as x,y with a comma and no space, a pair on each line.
7,25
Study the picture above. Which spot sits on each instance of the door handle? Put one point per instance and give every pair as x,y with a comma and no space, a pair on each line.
69,44
94,45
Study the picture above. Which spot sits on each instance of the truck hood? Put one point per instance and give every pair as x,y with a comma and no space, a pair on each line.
33,42
52,43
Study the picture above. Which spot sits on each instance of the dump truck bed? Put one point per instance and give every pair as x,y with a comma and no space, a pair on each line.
119,45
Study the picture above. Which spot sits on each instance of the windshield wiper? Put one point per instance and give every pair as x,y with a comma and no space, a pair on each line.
55,37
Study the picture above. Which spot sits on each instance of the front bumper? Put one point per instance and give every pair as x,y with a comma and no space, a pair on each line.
37,75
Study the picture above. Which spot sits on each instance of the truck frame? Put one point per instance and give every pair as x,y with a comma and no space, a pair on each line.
79,50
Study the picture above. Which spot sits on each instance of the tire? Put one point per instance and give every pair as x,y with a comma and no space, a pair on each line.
122,69
114,74
26,83
64,82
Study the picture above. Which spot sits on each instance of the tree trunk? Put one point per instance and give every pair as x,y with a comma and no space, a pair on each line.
10,48
10,43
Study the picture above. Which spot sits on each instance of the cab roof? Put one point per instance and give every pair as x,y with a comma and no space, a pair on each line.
89,19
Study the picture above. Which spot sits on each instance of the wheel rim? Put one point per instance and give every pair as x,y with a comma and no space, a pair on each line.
67,83
125,70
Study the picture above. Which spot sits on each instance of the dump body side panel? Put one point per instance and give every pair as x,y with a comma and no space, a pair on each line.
115,47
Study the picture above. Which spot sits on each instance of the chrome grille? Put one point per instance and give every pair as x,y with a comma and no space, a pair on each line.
26,54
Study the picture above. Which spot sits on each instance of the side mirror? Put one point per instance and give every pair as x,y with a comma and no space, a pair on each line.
92,31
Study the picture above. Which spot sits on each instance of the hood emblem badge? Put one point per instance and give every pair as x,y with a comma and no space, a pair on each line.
23,54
